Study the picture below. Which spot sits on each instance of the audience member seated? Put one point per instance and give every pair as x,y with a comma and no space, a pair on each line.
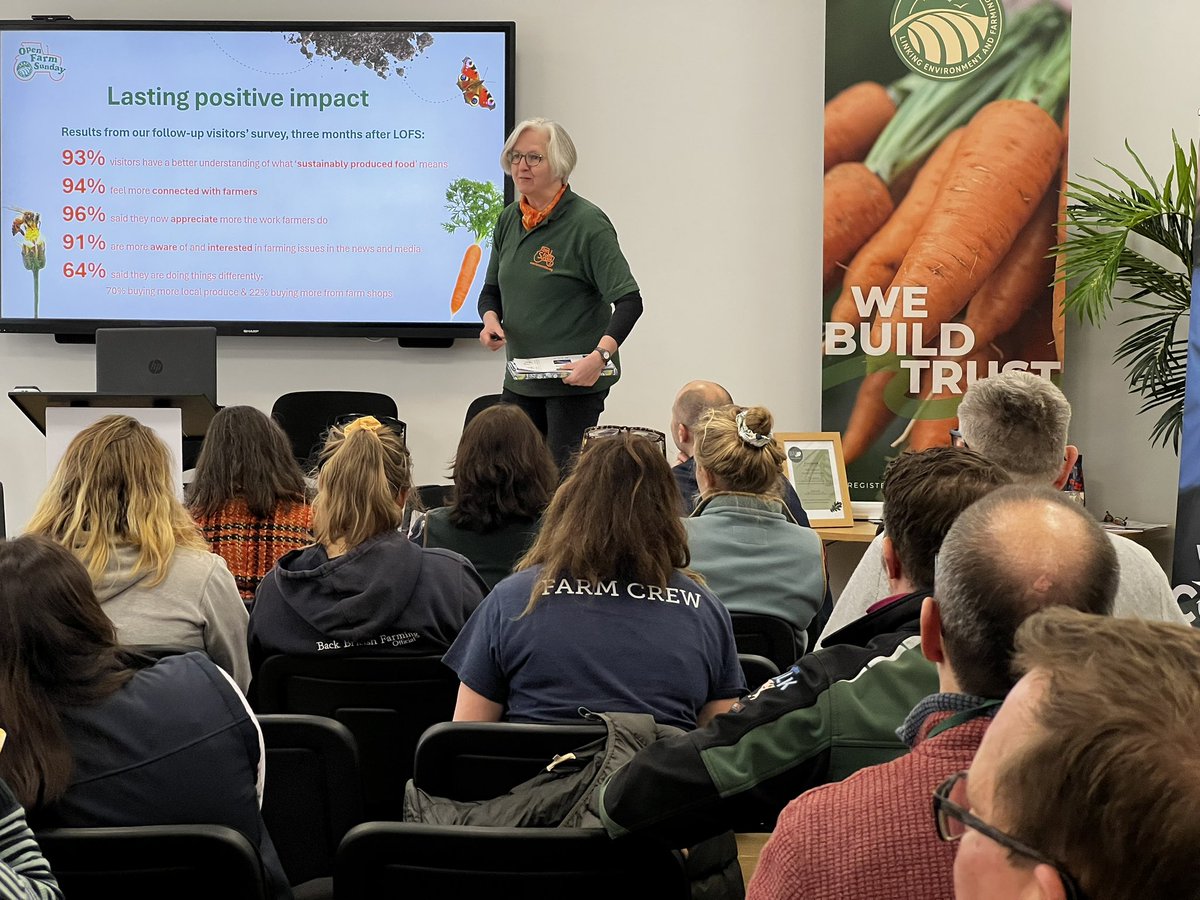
1085,785
103,736
691,403
743,540
836,710
248,495
363,587
112,502
1016,551
600,614
24,872
503,476
1020,421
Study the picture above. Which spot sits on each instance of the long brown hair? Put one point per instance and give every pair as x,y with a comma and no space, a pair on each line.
245,456
616,516
113,486
364,470
57,648
502,470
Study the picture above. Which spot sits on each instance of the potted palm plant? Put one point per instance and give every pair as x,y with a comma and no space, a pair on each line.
1129,244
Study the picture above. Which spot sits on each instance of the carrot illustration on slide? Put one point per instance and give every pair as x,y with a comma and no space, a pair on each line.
475,206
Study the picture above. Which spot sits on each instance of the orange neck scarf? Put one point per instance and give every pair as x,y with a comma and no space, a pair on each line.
531,218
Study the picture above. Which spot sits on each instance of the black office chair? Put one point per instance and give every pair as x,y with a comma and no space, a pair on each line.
305,416
757,669
313,795
767,636
478,405
387,702
481,760
183,862
394,859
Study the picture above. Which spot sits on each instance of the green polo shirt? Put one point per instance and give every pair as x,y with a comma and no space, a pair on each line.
557,284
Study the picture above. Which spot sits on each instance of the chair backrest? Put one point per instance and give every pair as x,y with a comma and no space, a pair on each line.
183,862
305,416
757,669
392,859
2,531
313,793
387,702
478,405
481,760
767,636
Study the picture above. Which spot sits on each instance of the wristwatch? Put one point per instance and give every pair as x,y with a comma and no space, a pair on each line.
604,354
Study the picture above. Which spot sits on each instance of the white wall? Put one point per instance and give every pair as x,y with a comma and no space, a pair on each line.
1135,76
698,125
708,166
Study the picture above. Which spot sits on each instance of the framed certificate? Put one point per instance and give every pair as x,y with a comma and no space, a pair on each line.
817,470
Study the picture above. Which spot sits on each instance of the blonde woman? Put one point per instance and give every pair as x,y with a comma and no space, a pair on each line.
112,502
743,540
363,587
602,612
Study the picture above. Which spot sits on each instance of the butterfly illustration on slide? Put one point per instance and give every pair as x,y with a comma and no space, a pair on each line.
472,87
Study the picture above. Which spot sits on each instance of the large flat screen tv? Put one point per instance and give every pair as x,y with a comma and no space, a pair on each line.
260,177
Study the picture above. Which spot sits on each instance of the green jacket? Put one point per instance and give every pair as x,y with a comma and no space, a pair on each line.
832,713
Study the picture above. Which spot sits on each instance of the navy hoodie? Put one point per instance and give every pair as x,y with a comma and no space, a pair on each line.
386,596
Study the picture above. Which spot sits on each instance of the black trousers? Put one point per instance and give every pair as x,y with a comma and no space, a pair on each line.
561,419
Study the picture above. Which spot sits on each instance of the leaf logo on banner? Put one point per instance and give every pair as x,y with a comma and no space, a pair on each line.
946,40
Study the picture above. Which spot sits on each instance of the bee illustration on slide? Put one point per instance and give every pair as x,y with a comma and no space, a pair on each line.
28,226
472,87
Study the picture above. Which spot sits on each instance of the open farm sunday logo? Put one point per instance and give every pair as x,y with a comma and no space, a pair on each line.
946,39
32,60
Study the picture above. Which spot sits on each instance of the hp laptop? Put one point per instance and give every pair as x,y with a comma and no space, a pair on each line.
157,361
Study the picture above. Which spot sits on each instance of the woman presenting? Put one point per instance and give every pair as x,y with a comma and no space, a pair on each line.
557,284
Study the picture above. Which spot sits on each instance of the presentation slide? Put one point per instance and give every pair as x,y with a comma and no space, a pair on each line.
249,176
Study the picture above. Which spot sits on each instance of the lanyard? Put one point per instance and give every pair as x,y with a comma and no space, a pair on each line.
961,718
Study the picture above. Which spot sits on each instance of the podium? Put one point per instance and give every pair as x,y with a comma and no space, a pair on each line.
196,409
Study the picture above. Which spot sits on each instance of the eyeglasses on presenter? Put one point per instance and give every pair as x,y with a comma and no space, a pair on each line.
952,819
534,159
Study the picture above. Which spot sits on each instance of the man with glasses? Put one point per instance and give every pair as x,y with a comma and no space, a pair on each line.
1009,555
1020,421
1085,785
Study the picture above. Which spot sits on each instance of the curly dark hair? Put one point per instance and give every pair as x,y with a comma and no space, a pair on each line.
502,470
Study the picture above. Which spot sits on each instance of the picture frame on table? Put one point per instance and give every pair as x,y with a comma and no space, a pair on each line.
817,470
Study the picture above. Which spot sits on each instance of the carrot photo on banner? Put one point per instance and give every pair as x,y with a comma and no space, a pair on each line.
944,150
474,206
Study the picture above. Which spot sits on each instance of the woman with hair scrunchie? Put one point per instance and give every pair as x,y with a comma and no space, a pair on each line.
363,587
743,540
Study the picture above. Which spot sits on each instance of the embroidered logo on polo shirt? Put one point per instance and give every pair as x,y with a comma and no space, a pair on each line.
544,258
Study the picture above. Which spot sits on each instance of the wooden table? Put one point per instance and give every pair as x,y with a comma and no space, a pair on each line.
861,532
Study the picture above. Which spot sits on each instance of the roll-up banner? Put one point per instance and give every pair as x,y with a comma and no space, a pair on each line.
1186,572
945,143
